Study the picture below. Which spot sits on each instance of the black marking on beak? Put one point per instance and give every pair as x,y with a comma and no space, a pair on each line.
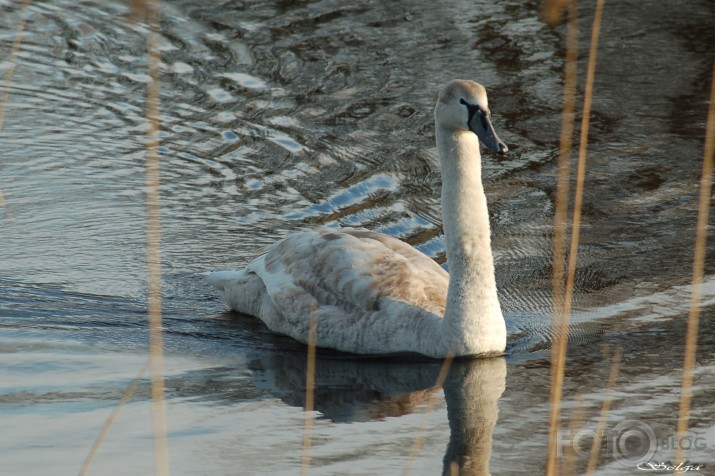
479,122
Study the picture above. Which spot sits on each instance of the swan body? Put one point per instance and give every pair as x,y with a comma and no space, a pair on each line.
374,294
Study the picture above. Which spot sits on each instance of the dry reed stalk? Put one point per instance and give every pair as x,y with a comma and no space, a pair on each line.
559,319
419,440
582,150
8,81
309,392
691,340
563,297
156,339
605,407
84,470
13,61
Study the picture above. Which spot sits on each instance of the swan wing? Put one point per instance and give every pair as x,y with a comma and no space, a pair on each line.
367,290
355,269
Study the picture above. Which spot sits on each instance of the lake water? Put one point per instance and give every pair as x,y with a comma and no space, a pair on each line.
278,116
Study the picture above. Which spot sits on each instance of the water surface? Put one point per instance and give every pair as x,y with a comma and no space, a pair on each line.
278,116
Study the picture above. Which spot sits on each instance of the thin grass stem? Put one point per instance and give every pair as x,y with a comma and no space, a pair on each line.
309,392
563,297
419,440
582,151
605,407
570,458
128,394
691,339
9,74
559,318
156,345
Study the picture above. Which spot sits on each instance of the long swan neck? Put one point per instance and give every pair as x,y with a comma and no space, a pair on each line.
473,322
464,204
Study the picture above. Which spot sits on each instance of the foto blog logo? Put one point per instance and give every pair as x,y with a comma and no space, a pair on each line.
629,442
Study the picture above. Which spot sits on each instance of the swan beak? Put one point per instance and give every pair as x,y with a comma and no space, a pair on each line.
482,127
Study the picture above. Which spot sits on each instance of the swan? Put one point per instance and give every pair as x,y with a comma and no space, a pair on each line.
374,294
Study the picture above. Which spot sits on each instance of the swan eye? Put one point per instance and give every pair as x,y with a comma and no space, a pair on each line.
472,109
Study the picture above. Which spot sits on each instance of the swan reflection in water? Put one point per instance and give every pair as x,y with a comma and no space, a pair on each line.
349,390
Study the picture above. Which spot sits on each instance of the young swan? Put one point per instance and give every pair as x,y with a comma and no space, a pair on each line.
374,294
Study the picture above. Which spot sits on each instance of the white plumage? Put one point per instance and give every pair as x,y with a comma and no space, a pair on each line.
374,294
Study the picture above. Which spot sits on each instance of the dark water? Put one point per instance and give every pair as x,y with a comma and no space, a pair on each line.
278,116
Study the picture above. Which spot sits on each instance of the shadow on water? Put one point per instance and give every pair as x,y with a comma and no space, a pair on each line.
350,389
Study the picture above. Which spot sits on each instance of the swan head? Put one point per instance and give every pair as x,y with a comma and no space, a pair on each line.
462,106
